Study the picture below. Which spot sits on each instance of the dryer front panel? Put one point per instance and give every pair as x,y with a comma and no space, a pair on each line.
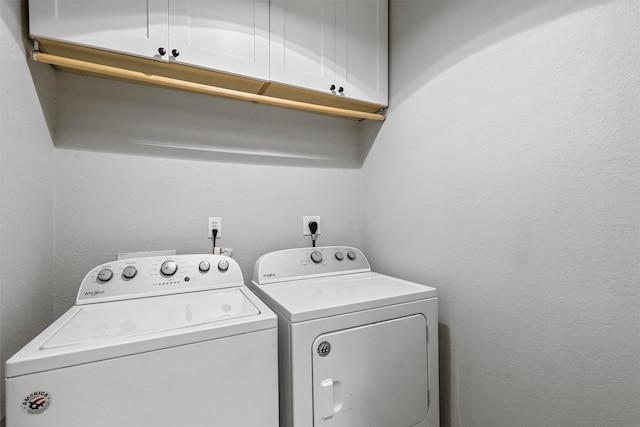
372,375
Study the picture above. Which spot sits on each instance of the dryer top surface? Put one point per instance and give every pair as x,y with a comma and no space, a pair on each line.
307,299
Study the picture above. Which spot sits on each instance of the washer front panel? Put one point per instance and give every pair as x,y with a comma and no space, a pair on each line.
231,381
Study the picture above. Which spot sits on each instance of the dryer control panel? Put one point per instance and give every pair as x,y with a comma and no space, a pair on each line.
307,263
163,275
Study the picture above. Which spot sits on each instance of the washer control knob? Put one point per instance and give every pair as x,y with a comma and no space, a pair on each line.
105,275
129,272
316,256
351,255
339,256
204,266
223,265
169,268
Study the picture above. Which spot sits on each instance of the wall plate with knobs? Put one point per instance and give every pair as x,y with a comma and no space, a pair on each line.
305,225
215,222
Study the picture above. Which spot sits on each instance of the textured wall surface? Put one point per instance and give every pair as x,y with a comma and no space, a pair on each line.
506,175
109,116
110,203
26,191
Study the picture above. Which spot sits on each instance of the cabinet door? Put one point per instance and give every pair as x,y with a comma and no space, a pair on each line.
225,35
303,43
136,27
362,49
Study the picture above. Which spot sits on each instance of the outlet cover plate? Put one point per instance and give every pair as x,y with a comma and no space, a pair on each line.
215,222
305,225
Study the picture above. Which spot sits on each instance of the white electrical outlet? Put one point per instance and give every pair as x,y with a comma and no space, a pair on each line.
305,225
215,222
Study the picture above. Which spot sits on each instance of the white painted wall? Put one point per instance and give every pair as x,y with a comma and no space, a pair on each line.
506,175
26,191
114,195
110,116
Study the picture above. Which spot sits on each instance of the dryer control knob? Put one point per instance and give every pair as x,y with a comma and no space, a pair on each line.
351,255
204,266
169,268
316,256
339,256
129,272
105,275
223,265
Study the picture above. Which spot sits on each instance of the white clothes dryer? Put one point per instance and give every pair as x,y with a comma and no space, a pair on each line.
356,348
157,341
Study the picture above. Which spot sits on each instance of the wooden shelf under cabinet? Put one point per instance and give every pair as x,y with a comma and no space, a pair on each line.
134,69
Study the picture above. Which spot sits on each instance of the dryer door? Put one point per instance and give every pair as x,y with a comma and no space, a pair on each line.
372,375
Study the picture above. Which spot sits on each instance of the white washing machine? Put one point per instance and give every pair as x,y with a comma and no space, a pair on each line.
357,348
158,341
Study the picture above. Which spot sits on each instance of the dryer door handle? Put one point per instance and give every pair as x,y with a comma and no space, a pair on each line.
331,398
327,399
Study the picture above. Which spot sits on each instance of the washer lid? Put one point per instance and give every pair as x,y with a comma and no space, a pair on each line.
309,299
100,322
107,330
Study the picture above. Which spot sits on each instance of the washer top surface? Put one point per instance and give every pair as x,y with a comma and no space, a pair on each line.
147,312
98,322
330,289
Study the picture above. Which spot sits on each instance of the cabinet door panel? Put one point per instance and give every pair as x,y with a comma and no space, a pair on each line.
362,49
226,35
303,43
137,27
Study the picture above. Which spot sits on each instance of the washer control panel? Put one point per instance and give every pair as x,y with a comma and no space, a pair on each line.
150,276
301,263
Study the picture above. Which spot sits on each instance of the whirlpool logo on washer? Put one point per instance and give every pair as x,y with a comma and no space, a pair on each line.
93,293
36,403
269,275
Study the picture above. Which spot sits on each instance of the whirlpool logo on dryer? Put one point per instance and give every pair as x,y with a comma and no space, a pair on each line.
269,275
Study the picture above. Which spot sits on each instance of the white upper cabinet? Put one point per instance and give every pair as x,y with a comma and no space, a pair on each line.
335,47
362,49
226,35
303,43
332,46
229,35
137,27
